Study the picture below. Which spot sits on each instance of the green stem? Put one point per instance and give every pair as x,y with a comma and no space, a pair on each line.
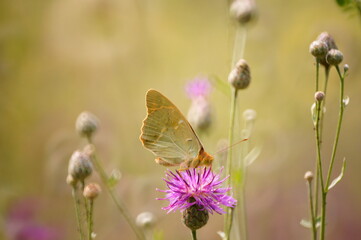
312,213
194,235
317,181
90,219
77,212
229,214
239,44
118,203
340,117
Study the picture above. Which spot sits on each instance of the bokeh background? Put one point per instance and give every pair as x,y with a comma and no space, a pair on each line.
58,58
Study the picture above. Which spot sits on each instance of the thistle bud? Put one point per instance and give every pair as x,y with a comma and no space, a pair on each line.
200,114
80,166
146,220
318,49
319,96
195,217
91,191
86,124
330,42
309,176
243,10
240,76
334,57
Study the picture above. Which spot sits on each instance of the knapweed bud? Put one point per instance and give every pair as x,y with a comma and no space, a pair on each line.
309,176
330,43
200,114
71,181
146,220
80,166
240,76
319,96
243,10
86,124
195,217
318,49
91,191
334,57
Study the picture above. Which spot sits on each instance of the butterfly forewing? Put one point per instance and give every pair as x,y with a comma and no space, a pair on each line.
166,132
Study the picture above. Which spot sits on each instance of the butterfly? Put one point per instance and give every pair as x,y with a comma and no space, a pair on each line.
169,136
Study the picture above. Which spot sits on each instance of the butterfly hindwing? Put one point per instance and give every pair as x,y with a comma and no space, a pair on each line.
167,133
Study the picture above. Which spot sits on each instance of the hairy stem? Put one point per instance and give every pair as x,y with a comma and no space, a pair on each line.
77,212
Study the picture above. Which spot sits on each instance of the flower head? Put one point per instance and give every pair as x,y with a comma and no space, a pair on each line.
199,87
196,186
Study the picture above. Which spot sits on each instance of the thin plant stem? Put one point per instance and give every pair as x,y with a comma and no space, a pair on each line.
194,235
239,44
90,219
338,130
312,213
229,214
85,202
77,212
317,74
119,204
319,162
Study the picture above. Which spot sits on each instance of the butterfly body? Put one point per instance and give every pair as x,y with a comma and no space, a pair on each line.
169,136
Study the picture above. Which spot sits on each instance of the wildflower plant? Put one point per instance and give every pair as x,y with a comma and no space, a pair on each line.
326,54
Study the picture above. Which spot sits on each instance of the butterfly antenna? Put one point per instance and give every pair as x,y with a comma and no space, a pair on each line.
228,147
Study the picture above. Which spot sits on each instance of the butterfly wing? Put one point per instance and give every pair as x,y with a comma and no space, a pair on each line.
167,133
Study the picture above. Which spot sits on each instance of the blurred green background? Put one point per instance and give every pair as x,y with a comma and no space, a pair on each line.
58,58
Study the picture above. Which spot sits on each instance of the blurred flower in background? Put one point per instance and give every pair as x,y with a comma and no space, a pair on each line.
200,112
21,222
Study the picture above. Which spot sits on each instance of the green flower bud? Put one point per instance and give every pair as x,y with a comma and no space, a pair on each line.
318,49
334,57
86,124
240,76
80,166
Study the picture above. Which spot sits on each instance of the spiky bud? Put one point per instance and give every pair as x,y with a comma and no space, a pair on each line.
91,191
195,217
308,176
334,57
319,96
146,220
80,166
240,76
86,124
243,10
318,49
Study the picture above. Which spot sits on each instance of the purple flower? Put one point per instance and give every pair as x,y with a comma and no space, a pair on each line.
199,87
196,186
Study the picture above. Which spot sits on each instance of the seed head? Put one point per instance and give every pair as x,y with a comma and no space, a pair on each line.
80,166
86,124
146,220
243,10
309,176
318,49
240,76
319,96
195,217
91,191
334,57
